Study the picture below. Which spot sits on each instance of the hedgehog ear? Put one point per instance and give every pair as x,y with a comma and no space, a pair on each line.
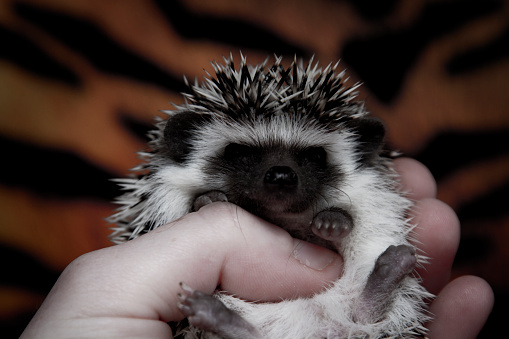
371,133
178,132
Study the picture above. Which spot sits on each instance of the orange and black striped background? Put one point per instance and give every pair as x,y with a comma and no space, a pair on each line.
81,81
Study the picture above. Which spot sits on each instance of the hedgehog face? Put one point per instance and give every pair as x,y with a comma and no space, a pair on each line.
272,179
278,168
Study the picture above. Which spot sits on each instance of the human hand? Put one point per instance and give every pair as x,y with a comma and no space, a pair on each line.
130,290
462,306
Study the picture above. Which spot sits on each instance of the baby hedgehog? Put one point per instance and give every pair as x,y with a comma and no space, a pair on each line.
294,147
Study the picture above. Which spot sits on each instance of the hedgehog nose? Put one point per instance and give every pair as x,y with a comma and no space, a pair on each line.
281,175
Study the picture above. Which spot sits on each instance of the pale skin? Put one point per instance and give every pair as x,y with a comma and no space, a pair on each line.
130,290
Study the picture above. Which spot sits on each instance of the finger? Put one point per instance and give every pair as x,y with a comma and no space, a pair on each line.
461,309
219,244
437,236
263,262
271,269
415,179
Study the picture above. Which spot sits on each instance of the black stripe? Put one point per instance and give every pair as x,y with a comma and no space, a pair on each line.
234,32
450,151
383,60
481,56
102,51
137,127
21,51
474,248
22,270
52,172
373,10
492,206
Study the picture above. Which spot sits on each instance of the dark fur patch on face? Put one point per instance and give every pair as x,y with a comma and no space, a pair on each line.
178,133
274,179
371,134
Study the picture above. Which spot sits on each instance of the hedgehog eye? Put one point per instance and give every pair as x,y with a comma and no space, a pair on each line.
315,155
236,151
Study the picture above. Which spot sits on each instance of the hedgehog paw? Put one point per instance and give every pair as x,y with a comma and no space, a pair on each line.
209,198
391,268
210,314
332,224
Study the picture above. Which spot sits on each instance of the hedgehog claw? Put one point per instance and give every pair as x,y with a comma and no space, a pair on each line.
332,225
210,314
209,198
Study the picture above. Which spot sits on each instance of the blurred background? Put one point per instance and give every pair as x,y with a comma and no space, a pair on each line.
81,82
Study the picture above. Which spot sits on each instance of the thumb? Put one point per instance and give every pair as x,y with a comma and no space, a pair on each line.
263,262
221,244
224,245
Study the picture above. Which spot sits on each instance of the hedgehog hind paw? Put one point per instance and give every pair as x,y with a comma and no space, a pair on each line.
209,314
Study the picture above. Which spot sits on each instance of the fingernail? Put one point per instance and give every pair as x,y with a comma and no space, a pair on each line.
313,256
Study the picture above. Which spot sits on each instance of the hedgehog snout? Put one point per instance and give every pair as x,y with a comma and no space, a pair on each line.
281,176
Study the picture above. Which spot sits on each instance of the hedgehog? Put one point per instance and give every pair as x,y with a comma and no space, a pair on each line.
294,146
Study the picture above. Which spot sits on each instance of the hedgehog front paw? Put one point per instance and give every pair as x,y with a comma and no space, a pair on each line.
209,198
332,224
210,314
